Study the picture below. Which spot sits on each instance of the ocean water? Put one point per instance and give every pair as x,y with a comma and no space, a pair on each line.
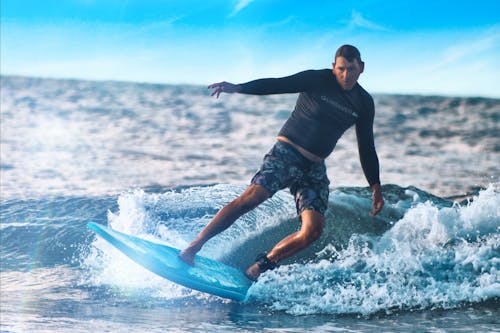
158,161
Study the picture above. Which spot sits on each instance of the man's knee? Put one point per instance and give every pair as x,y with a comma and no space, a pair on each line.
313,234
312,226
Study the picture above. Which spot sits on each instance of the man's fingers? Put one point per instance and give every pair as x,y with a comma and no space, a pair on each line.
223,87
218,88
214,85
216,91
375,211
377,207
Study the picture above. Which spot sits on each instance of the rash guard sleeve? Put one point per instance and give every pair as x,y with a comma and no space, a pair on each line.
289,84
366,146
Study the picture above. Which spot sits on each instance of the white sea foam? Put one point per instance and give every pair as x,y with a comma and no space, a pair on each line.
434,257
174,218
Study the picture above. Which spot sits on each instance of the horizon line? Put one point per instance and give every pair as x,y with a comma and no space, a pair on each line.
166,83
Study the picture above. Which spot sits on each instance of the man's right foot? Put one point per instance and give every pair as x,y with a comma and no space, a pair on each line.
253,272
261,265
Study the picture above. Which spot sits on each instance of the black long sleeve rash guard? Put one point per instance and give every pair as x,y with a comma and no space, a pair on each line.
323,112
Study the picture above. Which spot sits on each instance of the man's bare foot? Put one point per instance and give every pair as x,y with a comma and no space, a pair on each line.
253,272
187,255
262,264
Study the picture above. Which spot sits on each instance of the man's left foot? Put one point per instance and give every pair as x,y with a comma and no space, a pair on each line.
187,255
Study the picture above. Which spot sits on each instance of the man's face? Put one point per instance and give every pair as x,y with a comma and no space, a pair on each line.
346,72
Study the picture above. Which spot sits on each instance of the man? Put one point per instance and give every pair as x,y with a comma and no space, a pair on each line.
330,101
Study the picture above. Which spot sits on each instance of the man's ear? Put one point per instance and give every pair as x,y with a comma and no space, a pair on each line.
362,65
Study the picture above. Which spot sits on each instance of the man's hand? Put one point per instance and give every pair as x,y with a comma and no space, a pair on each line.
224,87
378,200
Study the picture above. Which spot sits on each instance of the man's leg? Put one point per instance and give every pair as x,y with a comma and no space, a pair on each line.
253,196
311,230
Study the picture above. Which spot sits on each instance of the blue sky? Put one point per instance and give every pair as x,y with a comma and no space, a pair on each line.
426,47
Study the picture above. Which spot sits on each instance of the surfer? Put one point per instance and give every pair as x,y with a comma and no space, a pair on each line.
330,101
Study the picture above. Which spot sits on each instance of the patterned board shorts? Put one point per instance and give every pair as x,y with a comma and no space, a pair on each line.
285,167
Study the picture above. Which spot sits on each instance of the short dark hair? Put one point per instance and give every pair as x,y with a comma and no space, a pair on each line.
349,52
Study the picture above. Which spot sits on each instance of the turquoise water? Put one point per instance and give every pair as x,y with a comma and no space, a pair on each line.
159,161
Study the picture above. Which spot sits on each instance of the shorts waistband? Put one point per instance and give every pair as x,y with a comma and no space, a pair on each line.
289,147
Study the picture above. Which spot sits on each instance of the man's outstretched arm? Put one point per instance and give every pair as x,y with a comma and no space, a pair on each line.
289,84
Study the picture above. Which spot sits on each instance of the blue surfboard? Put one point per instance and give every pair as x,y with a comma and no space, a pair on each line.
206,275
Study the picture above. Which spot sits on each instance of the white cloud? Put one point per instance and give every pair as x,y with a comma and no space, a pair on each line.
470,49
358,21
239,6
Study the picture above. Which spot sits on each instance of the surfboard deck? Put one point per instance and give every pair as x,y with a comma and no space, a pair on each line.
206,275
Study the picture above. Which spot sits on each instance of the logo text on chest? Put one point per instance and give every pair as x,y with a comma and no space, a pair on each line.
339,106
